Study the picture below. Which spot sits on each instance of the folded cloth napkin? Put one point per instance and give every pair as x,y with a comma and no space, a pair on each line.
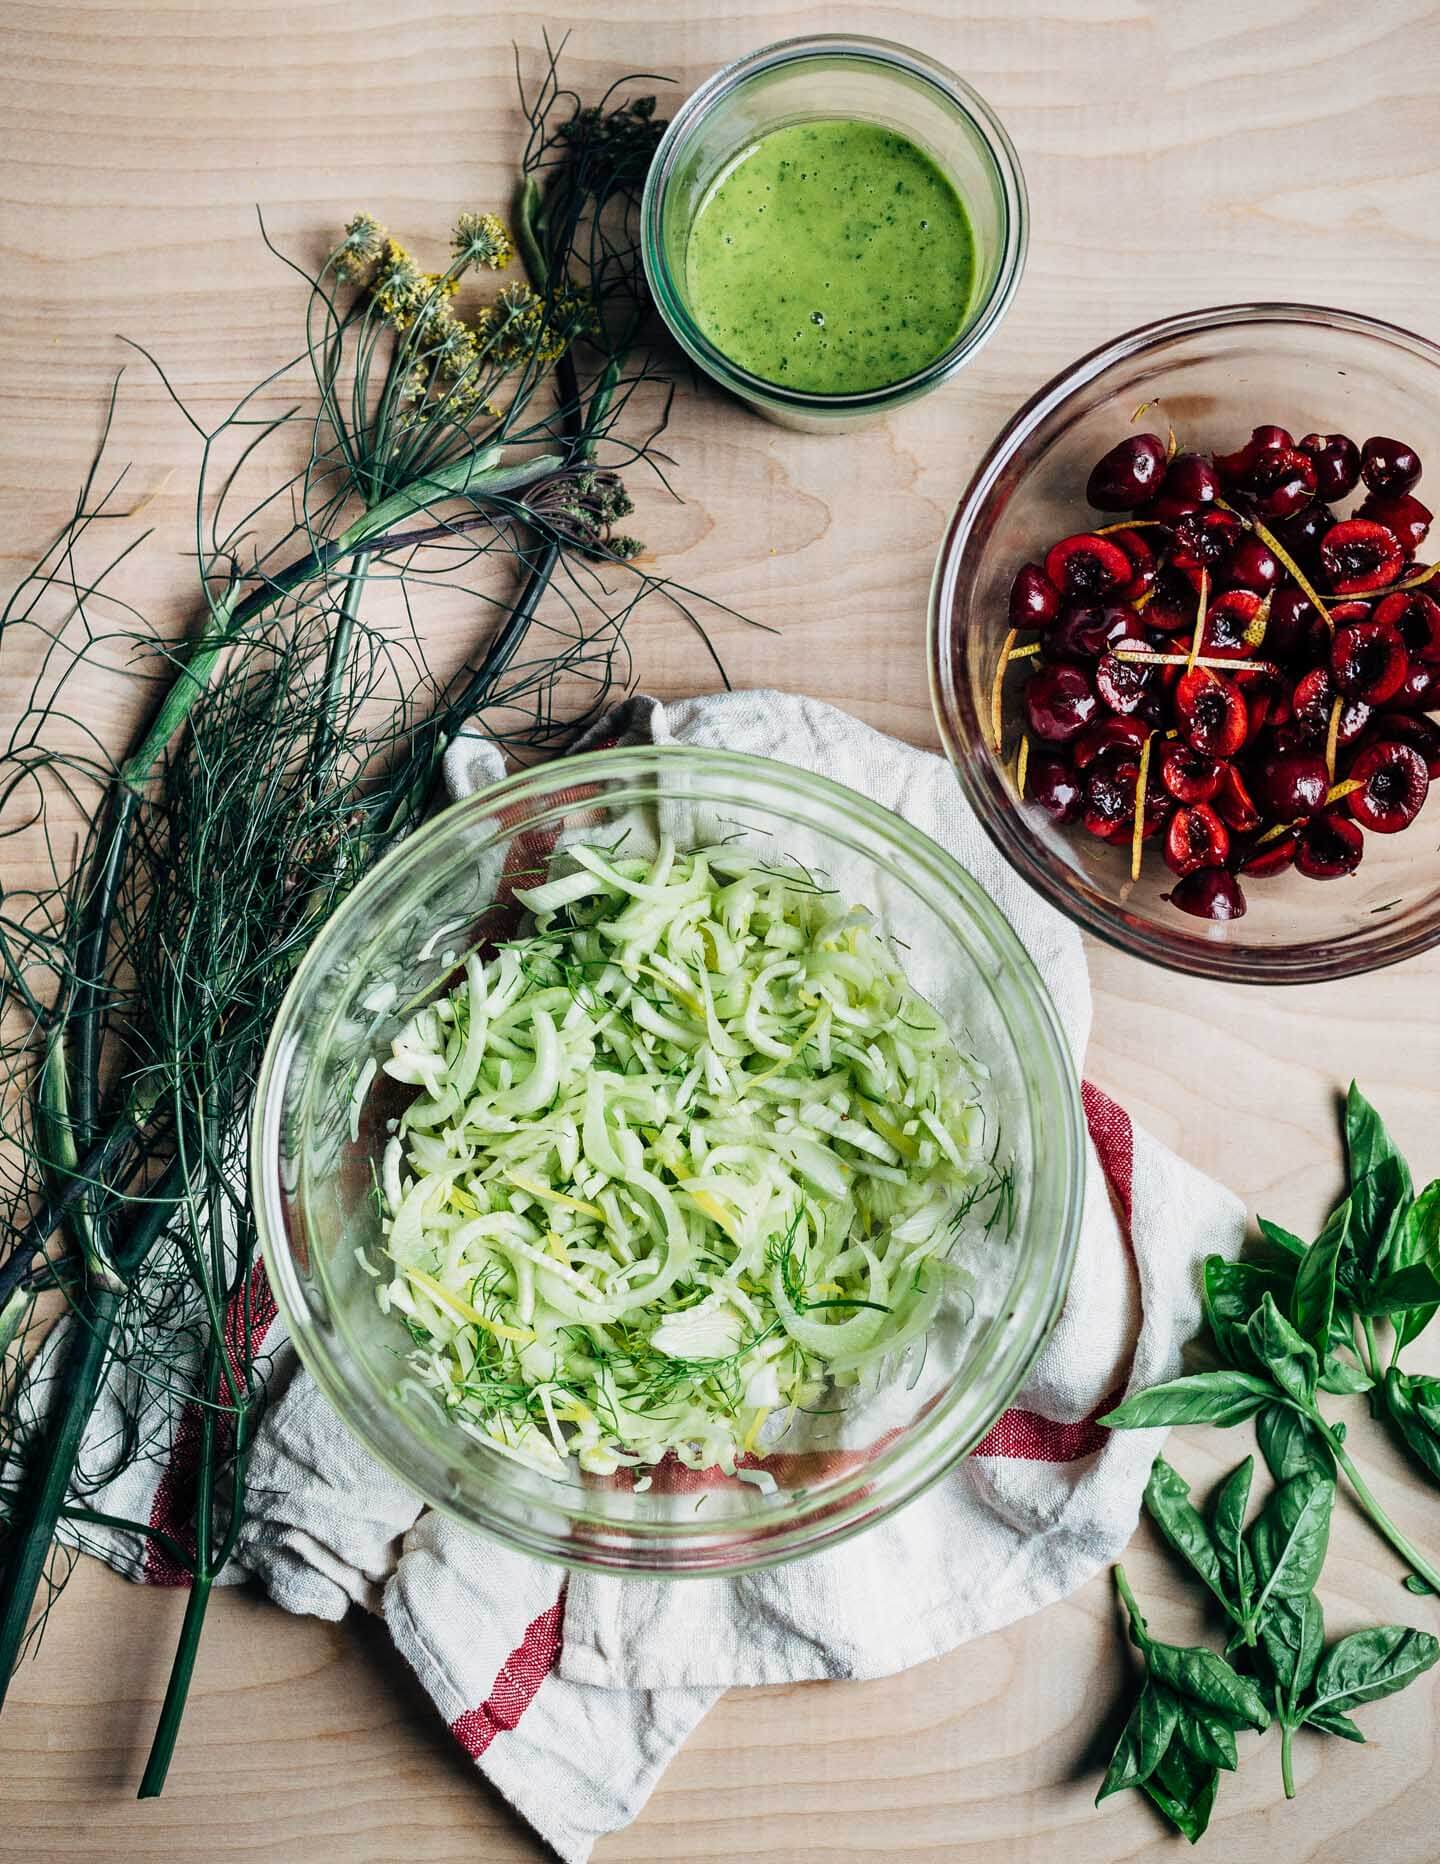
572,1694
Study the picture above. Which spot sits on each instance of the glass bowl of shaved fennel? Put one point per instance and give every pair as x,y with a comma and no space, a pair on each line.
668,1161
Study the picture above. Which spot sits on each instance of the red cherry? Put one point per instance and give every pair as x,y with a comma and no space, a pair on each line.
1204,539
1394,782
1128,474
1262,440
1210,712
1188,774
1266,702
1059,703
1360,555
1109,807
1302,534
1142,561
1271,858
1254,566
1388,466
1415,617
1086,566
1421,734
1226,621
1191,479
1329,845
1209,893
1111,733
1312,703
1369,661
1195,837
1234,804
1337,463
1123,684
1290,619
1292,784
1421,691
1052,786
1086,629
1404,516
1279,482
1034,599
1173,606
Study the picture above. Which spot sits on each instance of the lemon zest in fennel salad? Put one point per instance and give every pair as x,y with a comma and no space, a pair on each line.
687,1156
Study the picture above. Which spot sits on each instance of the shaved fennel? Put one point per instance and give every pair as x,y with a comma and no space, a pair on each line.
682,1160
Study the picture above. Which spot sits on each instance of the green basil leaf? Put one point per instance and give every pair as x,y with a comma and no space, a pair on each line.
1209,1739
1289,1358
1413,1286
1332,1722
1425,1396
1412,1582
1367,1142
1419,1241
1167,1501
1292,1637
1339,1371
1291,1445
1227,1523
1231,1291
1203,1398
1343,1376
1203,1676
1337,1230
1183,1789
1370,1664
1312,1305
1379,1204
1143,1740
1419,1438
1284,1240
1288,1541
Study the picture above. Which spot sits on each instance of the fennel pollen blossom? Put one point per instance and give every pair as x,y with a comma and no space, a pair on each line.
482,240
360,250
404,293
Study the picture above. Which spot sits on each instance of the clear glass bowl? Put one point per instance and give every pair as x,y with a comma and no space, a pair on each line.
1213,375
836,75
312,1171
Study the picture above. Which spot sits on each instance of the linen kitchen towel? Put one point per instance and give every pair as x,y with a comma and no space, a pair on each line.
573,1693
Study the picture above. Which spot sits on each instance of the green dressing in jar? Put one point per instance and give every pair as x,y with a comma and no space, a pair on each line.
832,257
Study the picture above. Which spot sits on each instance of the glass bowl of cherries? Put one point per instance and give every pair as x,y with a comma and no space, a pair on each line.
1185,643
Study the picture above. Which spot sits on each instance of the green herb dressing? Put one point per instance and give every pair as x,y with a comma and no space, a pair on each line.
832,256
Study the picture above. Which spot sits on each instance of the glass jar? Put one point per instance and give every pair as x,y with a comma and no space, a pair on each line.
320,1126
836,75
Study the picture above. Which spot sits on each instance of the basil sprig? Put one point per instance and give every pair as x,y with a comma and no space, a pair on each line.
1180,1735
1308,1318
1299,1321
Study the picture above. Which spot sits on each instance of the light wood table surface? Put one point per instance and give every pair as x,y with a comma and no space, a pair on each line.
1177,154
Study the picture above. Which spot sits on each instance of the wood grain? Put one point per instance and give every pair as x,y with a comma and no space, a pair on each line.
1176,155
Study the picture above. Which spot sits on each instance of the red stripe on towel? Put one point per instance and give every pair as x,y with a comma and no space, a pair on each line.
172,1512
1026,1435
1030,1438
1114,1139
514,1689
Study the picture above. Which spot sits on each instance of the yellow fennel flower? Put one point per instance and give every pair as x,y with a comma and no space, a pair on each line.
363,243
482,239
